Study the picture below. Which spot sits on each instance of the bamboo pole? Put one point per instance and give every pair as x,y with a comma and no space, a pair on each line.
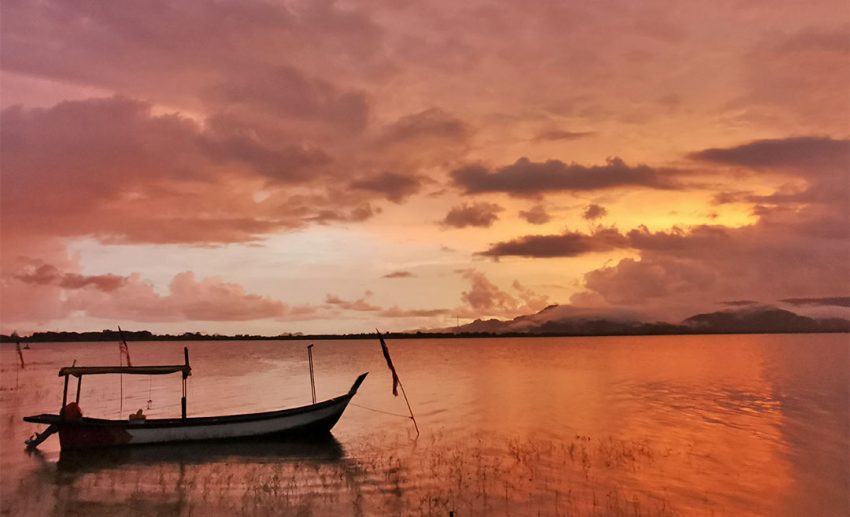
400,385
312,377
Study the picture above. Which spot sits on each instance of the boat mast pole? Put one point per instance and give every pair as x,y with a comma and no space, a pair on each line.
312,379
183,399
64,395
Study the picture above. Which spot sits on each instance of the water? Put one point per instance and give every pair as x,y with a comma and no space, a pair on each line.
675,425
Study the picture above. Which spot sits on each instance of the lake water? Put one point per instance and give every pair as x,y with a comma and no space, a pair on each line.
676,425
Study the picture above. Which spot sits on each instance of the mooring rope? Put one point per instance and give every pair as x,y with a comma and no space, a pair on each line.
380,411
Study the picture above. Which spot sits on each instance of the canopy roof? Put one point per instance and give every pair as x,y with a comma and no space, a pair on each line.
79,371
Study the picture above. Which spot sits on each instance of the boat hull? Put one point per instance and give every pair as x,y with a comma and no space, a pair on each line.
303,421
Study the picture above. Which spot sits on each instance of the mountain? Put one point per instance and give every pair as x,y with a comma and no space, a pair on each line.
568,320
764,319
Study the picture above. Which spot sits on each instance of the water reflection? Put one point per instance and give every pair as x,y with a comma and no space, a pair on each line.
695,425
260,476
324,449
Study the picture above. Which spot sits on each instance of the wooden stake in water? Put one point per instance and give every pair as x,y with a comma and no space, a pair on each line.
121,386
312,377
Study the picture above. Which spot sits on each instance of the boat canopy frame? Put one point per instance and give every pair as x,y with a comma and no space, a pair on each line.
80,371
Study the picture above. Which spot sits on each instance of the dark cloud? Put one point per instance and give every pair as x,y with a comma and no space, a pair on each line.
396,187
177,51
433,123
552,135
357,214
594,211
47,274
731,196
838,301
134,176
525,178
536,215
676,241
399,274
569,244
286,92
797,153
280,164
677,269
475,214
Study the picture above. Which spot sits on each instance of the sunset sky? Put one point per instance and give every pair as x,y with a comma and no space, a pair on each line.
319,166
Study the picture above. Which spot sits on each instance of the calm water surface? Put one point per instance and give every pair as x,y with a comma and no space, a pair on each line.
695,425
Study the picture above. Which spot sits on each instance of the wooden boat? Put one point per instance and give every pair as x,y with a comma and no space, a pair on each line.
77,431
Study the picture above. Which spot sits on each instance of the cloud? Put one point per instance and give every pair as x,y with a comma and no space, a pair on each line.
415,144
284,91
396,187
47,274
553,135
431,124
526,178
798,78
136,177
536,215
238,52
399,274
635,282
796,250
838,301
739,303
568,244
784,153
395,312
476,214
360,305
187,299
484,298
131,176
594,211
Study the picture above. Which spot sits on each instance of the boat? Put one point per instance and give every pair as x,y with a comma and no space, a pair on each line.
80,432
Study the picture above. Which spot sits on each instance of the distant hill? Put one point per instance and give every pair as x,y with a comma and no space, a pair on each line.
557,320
765,319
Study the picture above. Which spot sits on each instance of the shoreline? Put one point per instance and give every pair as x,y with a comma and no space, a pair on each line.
94,337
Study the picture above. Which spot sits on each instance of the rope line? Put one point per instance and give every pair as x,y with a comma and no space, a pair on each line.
380,411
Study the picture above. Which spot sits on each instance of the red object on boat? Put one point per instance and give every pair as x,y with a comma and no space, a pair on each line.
72,412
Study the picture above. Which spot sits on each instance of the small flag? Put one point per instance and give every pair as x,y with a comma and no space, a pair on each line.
122,347
20,354
389,363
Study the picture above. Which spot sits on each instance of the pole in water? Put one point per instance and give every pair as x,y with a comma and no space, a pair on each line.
400,385
312,376
396,379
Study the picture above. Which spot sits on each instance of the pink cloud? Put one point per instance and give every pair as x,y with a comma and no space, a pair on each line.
361,304
47,274
484,298
57,294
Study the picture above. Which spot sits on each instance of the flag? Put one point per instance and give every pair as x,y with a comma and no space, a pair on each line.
389,363
122,347
20,353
